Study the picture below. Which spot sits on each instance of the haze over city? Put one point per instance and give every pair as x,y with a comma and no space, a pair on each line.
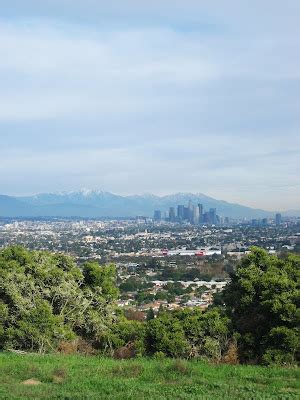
132,97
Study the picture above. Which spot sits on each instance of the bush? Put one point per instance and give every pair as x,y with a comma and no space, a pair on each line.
45,300
165,334
125,352
159,355
231,356
78,345
211,349
277,357
262,301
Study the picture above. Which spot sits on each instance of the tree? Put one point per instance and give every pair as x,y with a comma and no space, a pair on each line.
263,303
45,299
150,314
188,333
165,335
103,277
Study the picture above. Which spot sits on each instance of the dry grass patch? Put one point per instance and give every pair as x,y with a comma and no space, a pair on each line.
59,375
127,371
31,382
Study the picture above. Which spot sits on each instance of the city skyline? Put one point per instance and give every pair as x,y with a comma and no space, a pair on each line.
167,97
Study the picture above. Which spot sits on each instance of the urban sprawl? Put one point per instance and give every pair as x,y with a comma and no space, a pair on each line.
183,259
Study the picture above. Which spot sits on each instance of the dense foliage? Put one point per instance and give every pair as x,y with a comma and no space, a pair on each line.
263,301
188,333
45,299
48,303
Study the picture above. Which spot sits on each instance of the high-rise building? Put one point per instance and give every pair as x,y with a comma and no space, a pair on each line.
206,217
264,221
213,215
191,213
278,219
195,218
172,216
186,214
200,207
157,215
180,213
190,207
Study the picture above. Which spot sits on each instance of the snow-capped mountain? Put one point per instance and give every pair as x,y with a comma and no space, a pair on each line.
95,203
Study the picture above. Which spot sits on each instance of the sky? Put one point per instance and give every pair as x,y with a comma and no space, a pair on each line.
160,97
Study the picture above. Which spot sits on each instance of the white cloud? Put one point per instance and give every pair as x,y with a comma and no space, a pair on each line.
203,98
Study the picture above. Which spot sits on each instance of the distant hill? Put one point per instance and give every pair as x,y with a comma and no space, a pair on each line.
12,207
105,204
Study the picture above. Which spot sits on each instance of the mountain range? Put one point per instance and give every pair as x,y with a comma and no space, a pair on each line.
93,204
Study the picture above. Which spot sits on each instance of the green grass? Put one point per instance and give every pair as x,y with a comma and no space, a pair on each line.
78,377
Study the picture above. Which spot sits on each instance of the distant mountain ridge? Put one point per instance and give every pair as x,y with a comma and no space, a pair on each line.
88,203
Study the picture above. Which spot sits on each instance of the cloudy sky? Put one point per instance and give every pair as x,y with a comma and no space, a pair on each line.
166,96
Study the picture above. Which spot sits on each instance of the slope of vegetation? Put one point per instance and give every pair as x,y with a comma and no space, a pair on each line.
78,377
49,304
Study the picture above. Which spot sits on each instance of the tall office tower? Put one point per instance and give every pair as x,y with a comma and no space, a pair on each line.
186,214
195,220
206,217
213,215
157,215
180,213
264,221
172,217
190,207
278,219
200,207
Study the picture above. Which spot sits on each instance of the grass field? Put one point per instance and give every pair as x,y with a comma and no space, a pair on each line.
78,377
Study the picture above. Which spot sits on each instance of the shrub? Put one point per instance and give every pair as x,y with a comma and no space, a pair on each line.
125,352
262,301
159,355
231,356
45,300
67,347
165,334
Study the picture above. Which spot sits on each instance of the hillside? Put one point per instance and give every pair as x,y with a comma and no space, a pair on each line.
11,206
104,204
78,377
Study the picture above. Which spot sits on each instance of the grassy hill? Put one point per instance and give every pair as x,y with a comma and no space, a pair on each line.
79,377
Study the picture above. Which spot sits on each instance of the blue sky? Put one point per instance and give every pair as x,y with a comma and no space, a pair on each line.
170,96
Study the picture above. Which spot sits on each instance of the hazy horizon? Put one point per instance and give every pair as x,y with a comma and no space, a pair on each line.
167,97
161,195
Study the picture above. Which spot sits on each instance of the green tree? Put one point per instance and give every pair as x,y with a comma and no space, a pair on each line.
45,298
263,303
166,335
150,314
103,277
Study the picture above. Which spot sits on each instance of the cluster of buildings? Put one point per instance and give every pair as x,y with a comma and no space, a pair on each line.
266,222
145,251
193,214
198,252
